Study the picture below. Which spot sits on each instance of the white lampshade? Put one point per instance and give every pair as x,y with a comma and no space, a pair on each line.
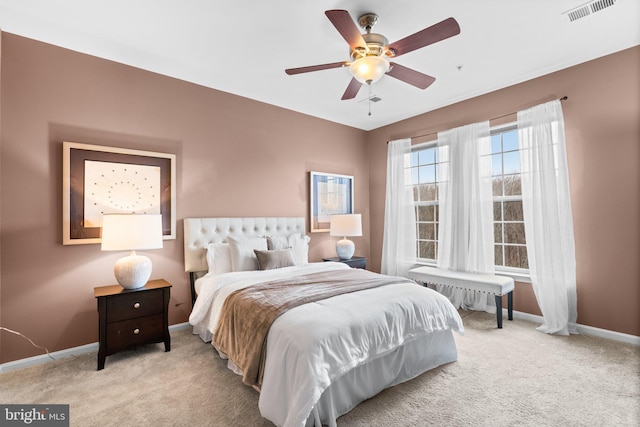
345,225
369,69
131,232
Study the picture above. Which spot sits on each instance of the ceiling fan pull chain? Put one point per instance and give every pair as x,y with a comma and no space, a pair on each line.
369,98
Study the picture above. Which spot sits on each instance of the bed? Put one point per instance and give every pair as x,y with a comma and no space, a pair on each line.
325,356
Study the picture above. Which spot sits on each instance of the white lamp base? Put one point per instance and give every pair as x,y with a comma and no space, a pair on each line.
133,271
345,248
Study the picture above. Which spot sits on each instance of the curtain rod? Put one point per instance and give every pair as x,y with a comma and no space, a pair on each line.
564,98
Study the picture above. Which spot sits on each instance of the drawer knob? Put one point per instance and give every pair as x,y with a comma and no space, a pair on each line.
136,305
136,331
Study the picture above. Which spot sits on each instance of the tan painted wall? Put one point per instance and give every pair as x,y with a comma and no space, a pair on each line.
238,157
235,157
602,123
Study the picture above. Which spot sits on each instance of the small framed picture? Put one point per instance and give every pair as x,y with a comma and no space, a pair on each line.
330,194
98,180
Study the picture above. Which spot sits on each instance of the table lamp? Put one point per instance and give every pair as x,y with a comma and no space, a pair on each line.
345,225
131,232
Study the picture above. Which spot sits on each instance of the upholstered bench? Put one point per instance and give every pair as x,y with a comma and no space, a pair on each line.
487,283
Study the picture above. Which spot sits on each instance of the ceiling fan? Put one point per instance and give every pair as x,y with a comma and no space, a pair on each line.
369,52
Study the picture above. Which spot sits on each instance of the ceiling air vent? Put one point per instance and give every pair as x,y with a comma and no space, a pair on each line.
587,9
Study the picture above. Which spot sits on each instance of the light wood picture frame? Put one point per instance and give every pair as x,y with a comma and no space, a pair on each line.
99,179
330,194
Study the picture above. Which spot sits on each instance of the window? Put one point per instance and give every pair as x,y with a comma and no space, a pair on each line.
508,221
424,179
510,249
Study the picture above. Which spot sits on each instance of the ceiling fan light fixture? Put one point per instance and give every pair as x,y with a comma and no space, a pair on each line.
369,52
369,69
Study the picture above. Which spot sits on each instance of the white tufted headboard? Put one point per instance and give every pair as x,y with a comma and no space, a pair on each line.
199,232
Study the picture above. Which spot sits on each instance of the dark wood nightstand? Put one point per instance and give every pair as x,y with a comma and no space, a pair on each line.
353,262
129,317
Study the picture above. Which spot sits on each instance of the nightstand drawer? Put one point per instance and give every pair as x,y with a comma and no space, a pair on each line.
123,334
135,304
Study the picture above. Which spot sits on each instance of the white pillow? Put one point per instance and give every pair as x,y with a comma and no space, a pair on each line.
219,258
242,256
277,243
299,245
210,256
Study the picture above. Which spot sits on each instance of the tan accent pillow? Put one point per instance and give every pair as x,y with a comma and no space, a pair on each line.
268,260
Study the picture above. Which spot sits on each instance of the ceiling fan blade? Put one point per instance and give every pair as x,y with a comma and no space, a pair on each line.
435,33
352,89
346,27
410,76
292,71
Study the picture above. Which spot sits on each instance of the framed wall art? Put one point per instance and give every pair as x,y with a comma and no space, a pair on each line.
330,194
98,180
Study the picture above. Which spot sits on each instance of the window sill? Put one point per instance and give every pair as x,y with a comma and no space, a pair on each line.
517,277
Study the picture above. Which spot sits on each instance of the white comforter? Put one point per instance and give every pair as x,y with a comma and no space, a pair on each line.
312,345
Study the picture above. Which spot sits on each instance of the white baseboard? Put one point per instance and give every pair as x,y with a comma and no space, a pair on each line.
612,335
57,355
583,329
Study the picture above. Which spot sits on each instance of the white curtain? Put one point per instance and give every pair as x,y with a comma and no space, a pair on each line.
547,216
399,242
465,237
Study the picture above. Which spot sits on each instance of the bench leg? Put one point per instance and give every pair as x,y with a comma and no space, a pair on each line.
499,310
510,305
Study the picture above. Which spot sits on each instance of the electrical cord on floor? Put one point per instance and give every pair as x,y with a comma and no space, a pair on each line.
2,328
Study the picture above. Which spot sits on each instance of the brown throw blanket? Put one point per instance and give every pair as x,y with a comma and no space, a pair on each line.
247,314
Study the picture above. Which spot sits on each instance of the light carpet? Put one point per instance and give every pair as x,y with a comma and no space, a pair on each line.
503,377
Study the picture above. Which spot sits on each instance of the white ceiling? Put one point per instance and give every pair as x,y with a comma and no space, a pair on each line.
244,46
